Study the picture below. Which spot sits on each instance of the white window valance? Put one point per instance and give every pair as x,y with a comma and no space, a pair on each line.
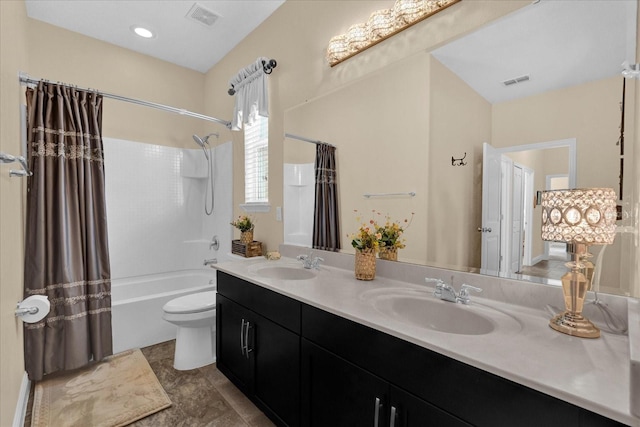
250,85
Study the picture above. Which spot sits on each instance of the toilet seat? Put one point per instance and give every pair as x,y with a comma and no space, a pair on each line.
193,303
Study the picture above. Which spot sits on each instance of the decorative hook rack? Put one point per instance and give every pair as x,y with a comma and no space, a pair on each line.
460,161
8,158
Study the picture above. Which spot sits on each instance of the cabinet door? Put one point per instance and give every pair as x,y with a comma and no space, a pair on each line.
231,331
337,393
406,410
277,370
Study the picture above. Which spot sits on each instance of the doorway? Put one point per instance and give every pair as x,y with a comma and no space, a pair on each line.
519,171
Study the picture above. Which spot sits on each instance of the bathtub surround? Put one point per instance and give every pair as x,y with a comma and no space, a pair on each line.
159,233
66,249
298,196
157,221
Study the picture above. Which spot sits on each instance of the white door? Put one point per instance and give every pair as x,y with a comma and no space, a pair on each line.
528,236
490,228
517,219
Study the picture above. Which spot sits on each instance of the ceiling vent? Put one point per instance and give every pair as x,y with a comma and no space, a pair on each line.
517,80
202,15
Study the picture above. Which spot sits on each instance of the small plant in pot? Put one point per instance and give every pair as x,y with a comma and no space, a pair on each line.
245,224
366,242
390,237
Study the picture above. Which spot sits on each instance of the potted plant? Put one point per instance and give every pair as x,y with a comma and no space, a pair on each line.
245,224
390,237
366,242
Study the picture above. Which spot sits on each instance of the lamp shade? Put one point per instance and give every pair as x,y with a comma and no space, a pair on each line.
582,215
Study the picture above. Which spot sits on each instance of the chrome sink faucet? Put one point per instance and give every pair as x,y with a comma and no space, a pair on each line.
309,261
446,292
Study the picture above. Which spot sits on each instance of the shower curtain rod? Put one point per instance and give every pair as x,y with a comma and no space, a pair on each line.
27,80
302,138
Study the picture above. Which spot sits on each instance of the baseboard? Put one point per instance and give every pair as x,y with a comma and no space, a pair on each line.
537,259
23,401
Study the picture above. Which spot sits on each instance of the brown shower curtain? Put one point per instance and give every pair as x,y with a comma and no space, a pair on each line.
326,220
66,252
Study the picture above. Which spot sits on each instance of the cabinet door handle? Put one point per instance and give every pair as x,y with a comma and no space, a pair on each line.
242,338
376,414
394,415
247,350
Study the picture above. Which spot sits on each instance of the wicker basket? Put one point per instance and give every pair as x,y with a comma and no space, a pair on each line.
246,250
390,253
365,268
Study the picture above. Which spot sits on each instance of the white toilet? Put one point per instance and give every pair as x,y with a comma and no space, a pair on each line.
195,317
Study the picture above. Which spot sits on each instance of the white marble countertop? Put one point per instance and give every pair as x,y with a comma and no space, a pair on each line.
590,373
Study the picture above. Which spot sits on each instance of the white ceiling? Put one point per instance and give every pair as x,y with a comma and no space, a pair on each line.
557,43
178,40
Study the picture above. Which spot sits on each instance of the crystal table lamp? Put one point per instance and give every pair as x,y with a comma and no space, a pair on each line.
580,218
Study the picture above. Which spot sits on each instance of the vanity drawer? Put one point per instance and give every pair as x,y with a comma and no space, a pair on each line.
278,308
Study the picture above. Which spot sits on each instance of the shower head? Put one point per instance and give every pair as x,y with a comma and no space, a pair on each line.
204,143
200,141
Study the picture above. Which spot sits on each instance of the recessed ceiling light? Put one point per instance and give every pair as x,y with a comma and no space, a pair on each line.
142,32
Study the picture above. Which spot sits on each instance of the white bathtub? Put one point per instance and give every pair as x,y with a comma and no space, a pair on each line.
136,304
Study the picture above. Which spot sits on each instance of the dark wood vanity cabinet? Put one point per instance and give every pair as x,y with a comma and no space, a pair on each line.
305,366
424,385
337,393
258,346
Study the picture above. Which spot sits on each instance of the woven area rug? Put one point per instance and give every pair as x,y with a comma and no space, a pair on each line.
115,392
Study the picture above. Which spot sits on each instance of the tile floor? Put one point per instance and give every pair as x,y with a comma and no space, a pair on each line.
201,397
552,269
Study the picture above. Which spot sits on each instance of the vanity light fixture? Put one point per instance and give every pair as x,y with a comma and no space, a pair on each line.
580,218
381,25
142,32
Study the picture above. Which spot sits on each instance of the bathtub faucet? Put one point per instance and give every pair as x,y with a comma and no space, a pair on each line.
210,261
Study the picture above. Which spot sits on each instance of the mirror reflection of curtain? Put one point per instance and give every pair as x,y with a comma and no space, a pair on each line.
326,221
66,251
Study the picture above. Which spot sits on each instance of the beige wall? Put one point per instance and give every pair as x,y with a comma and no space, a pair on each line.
60,55
13,48
296,35
459,122
590,113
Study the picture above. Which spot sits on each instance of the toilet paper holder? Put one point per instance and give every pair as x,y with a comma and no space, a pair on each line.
21,311
33,308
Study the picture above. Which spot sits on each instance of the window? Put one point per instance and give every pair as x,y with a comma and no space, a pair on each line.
256,161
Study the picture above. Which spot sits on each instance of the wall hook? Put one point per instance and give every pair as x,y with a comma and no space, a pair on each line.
459,162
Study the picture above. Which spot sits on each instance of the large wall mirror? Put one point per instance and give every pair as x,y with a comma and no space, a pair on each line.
541,88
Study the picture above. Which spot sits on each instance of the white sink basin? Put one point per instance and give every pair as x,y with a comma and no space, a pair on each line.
420,309
282,272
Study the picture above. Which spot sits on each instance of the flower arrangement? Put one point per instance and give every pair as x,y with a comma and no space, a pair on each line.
367,236
391,231
243,223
